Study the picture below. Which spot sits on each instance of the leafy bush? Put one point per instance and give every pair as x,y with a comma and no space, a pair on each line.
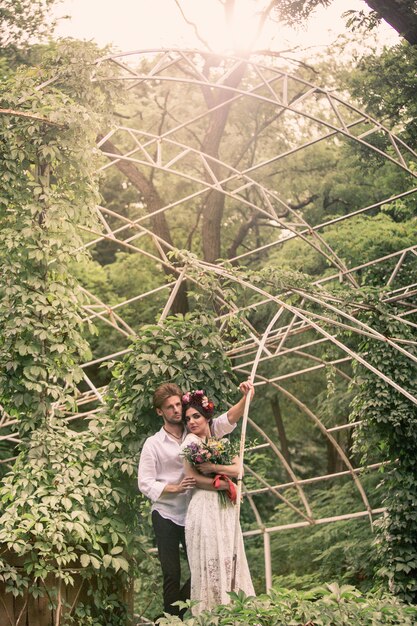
331,605
61,518
389,421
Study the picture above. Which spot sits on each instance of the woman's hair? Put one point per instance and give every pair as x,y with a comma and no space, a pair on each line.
164,391
199,401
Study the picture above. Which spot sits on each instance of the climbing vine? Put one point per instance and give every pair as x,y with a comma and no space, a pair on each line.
60,517
389,427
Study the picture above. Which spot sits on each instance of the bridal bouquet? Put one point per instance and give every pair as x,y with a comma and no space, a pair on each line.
218,452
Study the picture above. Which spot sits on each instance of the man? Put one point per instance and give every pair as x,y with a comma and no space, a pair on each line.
161,479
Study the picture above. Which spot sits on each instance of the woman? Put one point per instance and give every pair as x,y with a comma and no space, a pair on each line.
210,525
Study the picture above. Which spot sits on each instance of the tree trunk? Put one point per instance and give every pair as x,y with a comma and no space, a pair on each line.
334,462
276,411
158,222
213,206
400,14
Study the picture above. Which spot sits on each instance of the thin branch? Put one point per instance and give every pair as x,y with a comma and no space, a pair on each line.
31,116
193,25
59,604
263,17
194,228
164,114
23,610
303,203
241,234
252,141
7,612
169,114
76,597
284,58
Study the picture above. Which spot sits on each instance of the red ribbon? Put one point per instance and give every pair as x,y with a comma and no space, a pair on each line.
231,491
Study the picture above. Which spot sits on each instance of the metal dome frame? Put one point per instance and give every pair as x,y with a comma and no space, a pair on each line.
314,309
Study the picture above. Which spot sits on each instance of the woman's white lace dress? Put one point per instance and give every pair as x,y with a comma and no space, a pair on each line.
209,535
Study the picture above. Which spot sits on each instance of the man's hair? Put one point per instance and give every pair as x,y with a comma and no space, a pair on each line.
163,392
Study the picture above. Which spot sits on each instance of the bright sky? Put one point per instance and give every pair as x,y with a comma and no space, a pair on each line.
142,24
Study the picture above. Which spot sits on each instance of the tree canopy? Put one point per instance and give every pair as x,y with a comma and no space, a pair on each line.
260,203
400,14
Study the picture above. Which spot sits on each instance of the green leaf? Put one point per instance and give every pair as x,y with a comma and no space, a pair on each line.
95,562
107,559
120,563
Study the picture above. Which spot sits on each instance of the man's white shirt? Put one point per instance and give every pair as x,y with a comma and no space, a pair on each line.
160,464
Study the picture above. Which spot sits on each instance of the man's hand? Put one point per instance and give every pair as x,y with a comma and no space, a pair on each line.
186,484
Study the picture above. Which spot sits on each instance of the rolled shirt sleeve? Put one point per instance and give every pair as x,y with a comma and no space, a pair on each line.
160,464
147,472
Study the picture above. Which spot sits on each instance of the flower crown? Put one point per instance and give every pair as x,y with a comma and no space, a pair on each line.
198,398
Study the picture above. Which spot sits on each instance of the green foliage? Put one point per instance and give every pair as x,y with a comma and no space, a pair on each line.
114,283
297,11
134,274
48,190
186,350
361,20
331,605
20,20
305,557
390,427
386,84
369,238
63,520
235,279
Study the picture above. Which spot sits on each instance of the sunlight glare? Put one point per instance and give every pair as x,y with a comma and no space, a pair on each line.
244,26
237,34
140,24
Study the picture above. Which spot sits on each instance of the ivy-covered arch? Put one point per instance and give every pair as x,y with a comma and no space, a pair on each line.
62,428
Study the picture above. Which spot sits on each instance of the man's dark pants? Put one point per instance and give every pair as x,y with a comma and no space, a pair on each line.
169,536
